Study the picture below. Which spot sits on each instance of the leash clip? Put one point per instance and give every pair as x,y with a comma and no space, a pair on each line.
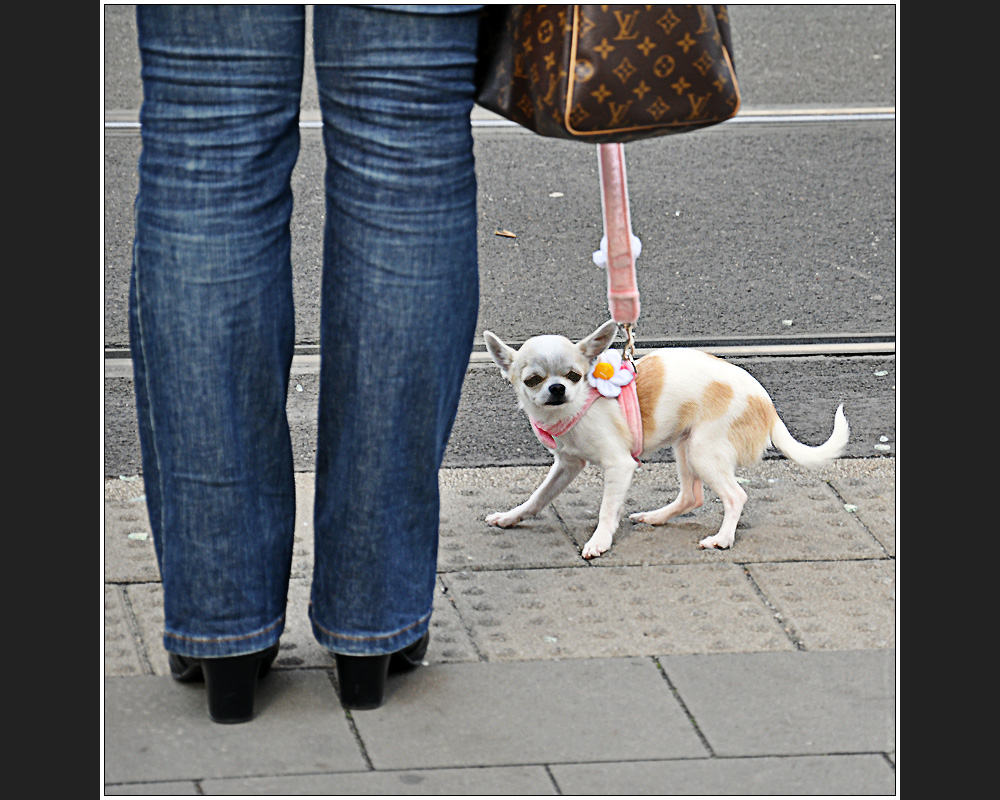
629,350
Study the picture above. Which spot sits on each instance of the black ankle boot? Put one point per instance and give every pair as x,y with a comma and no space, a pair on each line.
362,678
230,682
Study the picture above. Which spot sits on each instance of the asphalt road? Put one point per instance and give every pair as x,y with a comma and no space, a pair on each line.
775,227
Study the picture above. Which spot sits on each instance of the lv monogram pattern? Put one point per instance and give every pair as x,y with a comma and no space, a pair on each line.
608,73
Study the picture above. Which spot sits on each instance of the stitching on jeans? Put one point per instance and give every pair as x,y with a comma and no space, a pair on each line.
420,621
146,378
225,638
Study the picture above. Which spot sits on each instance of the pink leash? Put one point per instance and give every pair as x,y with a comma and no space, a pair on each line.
620,245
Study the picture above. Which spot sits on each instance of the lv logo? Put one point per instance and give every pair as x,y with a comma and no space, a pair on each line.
698,104
618,111
626,25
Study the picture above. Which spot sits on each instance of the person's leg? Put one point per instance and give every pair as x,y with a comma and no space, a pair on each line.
211,315
400,304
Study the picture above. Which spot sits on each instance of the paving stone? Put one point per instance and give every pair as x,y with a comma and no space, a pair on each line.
298,647
869,485
303,549
790,515
467,542
156,729
525,713
842,775
146,600
834,605
796,703
156,788
503,781
121,656
450,640
129,555
615,611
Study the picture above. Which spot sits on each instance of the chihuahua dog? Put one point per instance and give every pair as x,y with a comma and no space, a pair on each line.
714,414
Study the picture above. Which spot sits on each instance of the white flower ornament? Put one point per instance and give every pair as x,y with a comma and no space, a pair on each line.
608,375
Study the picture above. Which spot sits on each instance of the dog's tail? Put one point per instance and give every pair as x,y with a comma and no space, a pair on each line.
813,457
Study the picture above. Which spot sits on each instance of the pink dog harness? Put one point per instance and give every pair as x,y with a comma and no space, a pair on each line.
629,402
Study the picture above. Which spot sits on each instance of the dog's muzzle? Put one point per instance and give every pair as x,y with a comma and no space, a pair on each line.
557,395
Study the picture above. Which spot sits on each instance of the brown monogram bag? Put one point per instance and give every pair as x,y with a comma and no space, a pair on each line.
608,74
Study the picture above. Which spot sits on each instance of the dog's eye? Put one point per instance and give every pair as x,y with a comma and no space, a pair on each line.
573,376
533,381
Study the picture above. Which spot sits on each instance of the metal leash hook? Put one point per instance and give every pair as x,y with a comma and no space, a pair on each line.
628,352
619,247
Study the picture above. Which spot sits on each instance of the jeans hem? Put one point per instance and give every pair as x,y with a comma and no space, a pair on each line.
222,646
373,644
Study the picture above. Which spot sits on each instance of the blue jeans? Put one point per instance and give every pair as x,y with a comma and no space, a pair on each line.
212,323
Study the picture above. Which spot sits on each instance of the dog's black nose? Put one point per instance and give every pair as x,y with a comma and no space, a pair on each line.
558,391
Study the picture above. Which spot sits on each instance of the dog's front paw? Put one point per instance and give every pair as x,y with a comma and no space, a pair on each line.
715,542
595,547
503,519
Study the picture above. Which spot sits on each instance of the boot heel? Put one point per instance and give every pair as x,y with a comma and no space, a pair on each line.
230,682
362,681
362,678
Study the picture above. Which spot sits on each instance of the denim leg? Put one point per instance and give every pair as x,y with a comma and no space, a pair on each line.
400,304
211,317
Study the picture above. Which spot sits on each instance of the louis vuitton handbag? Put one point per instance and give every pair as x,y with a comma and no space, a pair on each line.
607,73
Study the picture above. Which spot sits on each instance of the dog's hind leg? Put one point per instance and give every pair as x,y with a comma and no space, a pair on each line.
691,494
718,470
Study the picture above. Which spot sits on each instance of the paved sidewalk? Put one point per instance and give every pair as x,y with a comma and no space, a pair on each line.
657,669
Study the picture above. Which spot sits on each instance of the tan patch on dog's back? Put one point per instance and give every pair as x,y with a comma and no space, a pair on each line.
648,385
716,399
750,432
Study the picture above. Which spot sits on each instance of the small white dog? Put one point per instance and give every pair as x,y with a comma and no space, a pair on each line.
714,414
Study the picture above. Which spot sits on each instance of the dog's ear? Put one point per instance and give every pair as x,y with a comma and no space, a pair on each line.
501,353
600,340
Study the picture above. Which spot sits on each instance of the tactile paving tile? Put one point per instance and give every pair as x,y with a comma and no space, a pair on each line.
121,657
869,486
467,542
129,555
146,600
790,515
616,611
303,548
298,647
835,605
450,641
